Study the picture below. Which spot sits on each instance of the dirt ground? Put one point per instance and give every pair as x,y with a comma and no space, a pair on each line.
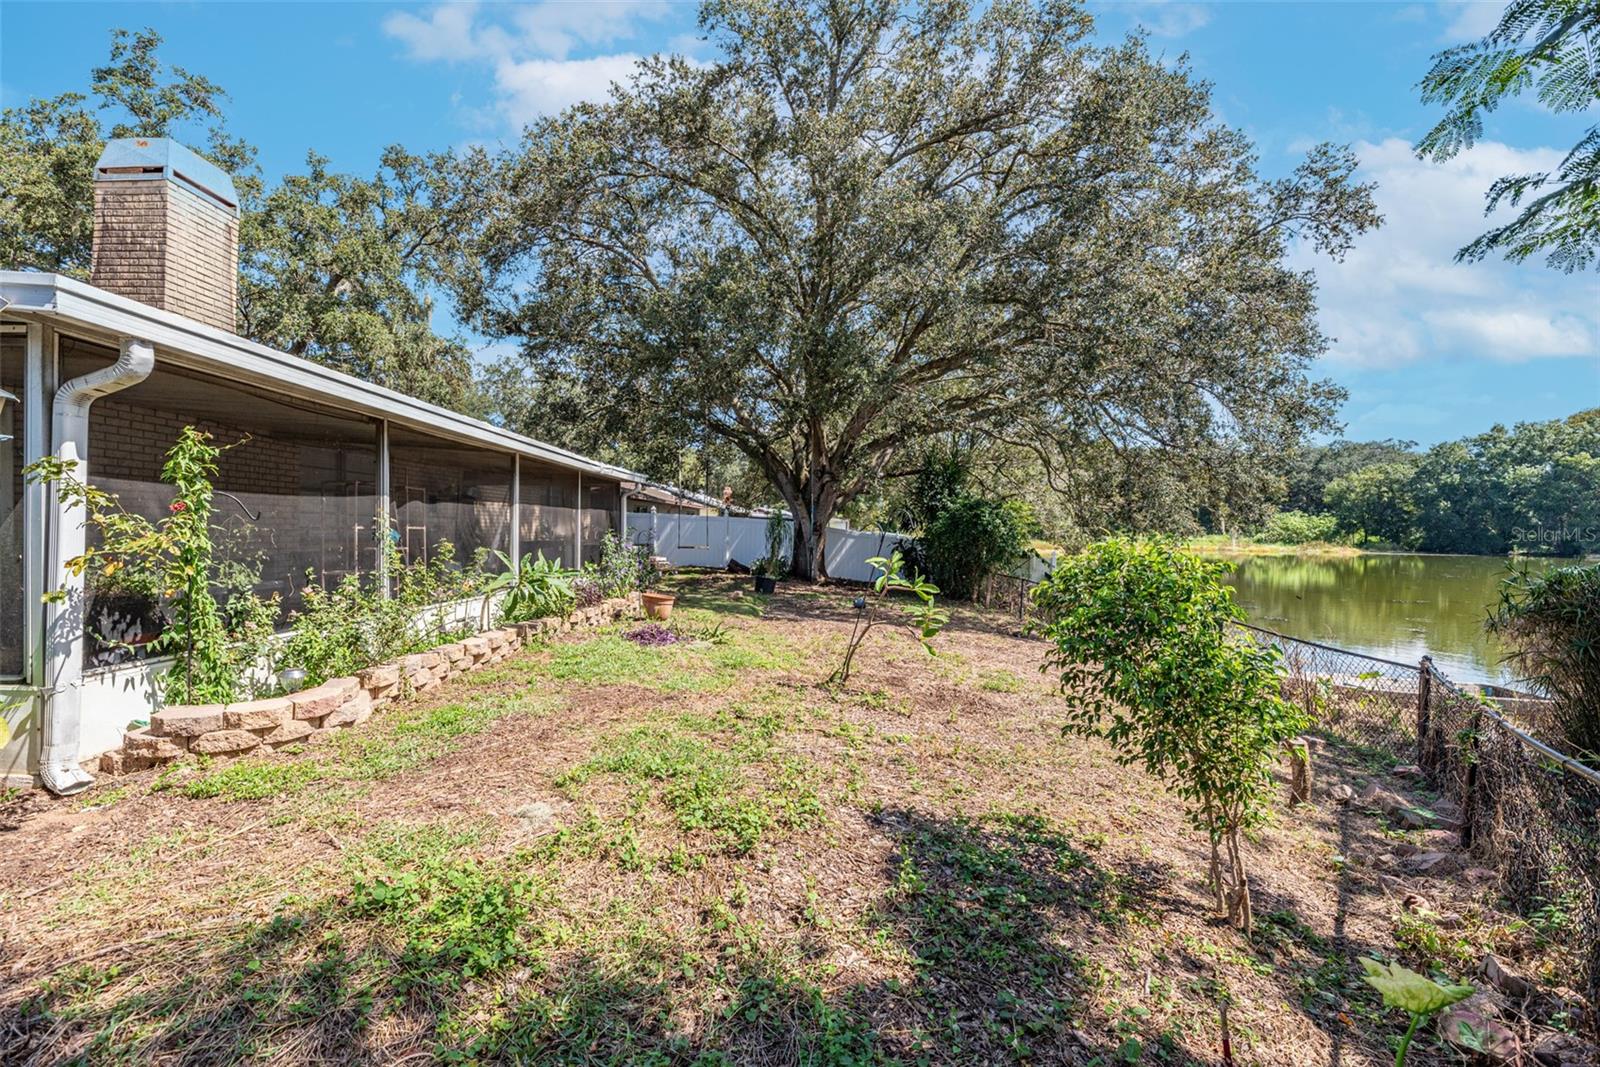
603,853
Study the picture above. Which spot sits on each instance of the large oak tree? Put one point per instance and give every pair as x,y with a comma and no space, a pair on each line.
869,222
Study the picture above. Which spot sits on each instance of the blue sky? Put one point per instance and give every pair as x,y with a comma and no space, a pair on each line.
1429,349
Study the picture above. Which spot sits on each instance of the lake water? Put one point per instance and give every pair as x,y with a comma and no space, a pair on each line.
1399,607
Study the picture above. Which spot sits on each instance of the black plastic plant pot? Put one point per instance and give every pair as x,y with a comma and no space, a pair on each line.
765,583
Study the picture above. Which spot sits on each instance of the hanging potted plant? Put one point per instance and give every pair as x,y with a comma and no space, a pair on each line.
767,571
771,567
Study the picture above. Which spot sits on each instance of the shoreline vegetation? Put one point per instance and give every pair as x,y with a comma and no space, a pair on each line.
1223,545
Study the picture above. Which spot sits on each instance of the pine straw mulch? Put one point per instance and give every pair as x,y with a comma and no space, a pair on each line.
597,853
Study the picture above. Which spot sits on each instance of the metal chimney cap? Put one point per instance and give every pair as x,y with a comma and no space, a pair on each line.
150,158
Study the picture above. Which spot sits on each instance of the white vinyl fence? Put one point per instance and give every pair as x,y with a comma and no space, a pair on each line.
715,540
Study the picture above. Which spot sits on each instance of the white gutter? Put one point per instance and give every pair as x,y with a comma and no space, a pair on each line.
64,615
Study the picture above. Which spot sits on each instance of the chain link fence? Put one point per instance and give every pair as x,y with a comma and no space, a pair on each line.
1524,809
1369,704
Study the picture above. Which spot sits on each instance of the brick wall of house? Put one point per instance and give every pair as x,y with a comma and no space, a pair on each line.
131,441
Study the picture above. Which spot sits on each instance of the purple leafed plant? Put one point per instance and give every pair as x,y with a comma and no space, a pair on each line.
651,634
586,592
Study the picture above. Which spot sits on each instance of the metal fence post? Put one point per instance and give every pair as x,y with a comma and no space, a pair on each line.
1424,710
1469,790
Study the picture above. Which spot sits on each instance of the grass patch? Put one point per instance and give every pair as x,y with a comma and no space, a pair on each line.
413,737
704,787
103,797
1000,680
255,780
610,659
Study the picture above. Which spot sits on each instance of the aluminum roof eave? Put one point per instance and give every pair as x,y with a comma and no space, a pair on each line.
181,341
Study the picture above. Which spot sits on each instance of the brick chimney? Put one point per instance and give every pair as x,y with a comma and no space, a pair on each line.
166,230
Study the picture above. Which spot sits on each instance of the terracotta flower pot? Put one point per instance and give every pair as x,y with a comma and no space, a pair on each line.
659,605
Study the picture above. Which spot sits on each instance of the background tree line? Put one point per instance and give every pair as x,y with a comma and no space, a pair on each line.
1532,488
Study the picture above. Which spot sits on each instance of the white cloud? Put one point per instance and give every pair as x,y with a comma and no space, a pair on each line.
554,29
1470,19
529,52
1172,18
1520,334
1399,296
449,32
535,87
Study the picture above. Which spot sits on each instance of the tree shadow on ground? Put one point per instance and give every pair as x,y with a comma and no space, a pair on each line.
985,908
980,908
1321,975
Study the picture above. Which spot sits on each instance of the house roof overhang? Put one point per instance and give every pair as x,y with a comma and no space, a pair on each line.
78,308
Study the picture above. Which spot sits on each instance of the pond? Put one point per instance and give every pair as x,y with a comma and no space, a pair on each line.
1396,606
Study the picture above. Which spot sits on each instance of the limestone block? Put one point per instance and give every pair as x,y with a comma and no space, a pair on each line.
126,762
382,676
291,730
325,698
257,714
145,743
354,711
225,741
186,720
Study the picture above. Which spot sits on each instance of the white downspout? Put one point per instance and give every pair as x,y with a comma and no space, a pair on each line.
64,616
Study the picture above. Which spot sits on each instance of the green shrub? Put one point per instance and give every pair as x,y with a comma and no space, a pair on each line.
1140,637
970,539
175,564
537,589
624,568
1552,623
353,625
1299,528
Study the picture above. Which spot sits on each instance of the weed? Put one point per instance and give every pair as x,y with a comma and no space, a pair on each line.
1000,680
457,919
254,780
97,799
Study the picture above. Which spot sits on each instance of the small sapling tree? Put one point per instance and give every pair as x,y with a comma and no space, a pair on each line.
921,616
1139,635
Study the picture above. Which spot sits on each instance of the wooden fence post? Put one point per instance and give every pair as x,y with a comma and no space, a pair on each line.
1299,771
1424,710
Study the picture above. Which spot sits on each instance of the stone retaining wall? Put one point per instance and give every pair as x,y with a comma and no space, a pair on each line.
273,722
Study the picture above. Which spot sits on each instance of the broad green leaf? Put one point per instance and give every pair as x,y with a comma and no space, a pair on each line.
1411,992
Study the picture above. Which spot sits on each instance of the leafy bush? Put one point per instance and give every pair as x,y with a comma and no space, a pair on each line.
537,589
1299,528
624,568
941,478
174,563
1140,637
970,539
353,625
1552,622
586,591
